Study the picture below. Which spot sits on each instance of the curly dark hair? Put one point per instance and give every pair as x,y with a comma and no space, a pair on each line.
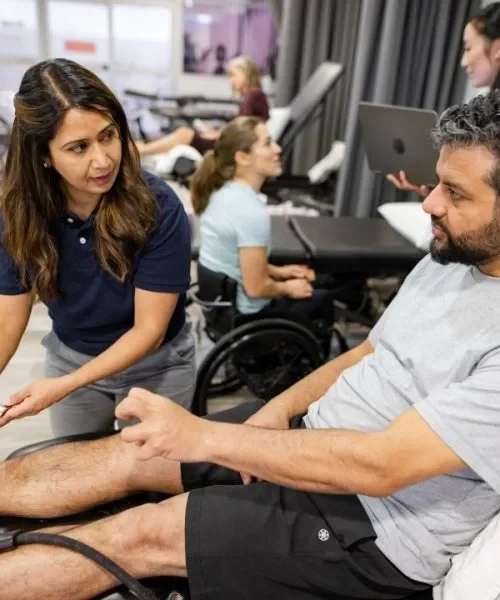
476,123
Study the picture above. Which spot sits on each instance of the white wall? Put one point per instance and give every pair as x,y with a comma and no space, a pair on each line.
66,22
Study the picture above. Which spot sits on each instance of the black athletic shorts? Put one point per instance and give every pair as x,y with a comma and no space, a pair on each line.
263,541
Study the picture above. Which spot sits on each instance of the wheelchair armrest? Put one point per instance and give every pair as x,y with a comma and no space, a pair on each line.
209,304
81,437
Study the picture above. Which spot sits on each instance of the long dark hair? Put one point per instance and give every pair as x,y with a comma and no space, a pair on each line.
218,165
487,21
31,197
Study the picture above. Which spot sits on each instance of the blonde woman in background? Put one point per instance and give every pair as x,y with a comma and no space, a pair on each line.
245,81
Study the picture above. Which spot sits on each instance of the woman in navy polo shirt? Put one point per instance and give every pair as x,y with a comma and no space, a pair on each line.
105,246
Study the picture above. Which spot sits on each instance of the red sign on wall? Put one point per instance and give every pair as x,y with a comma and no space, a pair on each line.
77,46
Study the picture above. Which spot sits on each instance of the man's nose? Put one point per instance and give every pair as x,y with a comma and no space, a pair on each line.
434,203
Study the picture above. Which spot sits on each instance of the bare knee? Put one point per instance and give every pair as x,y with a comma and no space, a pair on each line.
157,536
31,484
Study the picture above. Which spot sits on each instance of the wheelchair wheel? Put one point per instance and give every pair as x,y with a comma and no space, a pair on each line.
227,383
268,356
226,380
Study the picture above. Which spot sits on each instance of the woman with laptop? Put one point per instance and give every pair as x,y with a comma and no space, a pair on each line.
481,61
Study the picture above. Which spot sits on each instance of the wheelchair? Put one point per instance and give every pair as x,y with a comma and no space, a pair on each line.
267,353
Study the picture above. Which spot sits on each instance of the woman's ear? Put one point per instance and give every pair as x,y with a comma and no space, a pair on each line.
495,50
242,159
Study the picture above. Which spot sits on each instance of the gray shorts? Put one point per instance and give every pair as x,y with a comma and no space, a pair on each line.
169,371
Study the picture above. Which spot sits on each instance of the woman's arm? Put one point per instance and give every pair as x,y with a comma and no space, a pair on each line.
153,311
162,274
15,312
152,314
259,284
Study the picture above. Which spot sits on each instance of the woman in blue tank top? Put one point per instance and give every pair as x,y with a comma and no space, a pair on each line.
235,225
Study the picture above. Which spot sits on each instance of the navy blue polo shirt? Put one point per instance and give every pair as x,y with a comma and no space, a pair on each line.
96,309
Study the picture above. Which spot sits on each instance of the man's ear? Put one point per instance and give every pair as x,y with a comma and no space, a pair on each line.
242,159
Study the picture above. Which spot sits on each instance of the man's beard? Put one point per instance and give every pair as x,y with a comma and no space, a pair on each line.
471,248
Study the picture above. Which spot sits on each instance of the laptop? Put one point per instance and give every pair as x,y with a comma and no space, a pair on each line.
397,138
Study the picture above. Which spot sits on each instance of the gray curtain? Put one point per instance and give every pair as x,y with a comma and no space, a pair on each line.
312,31
277,10
408,53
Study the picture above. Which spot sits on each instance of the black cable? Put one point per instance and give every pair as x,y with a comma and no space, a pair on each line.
142,592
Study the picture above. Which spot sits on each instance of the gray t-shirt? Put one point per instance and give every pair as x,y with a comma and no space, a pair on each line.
437,349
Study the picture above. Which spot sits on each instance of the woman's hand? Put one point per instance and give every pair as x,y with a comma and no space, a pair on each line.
298,289
296,272
402,183
34,398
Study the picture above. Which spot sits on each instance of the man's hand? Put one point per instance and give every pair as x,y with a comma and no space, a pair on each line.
34,398
295,272
166,429
270,416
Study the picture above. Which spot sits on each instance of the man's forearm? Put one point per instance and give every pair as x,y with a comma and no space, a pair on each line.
128,350
327,461
297,399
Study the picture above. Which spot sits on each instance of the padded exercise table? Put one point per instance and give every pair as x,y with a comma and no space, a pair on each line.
305,107
286,247
342,245
353,245
190,114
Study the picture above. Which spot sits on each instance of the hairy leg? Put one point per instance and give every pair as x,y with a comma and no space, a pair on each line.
147,541
182,135
71,478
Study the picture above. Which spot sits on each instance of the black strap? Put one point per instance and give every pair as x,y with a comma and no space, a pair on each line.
8,540
13,539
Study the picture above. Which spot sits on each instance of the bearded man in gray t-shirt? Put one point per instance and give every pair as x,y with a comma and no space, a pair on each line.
406,425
